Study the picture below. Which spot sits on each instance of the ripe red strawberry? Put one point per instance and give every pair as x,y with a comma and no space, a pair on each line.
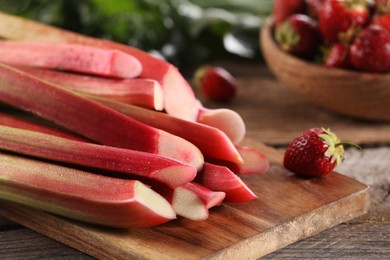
298,35
283,9
339,20
382,20
314,7
314,153
371,50
338,56
215,83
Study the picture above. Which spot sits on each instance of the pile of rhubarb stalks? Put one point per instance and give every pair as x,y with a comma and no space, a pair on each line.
107,134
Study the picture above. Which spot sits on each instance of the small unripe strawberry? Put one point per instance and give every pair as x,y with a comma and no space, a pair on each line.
315,153
215,83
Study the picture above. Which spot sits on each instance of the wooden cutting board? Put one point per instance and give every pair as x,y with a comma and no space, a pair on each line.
288,209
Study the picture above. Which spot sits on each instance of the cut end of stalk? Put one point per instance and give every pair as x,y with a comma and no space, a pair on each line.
216,199
180,149
125,65
175,176
227,120
254,161
158,96
188,205
155,202
242,193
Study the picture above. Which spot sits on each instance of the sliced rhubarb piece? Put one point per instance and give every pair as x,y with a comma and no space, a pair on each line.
211,141
227,120
179,98
210,198
25,123
91,119
142,92
71,57
81,195
192,200
254,162
220,178
134,163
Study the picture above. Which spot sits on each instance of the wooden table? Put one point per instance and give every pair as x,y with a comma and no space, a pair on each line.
274,115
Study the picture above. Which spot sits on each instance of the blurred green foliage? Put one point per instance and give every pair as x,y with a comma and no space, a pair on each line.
184,32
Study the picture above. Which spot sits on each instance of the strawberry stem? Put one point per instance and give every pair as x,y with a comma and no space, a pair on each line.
349,144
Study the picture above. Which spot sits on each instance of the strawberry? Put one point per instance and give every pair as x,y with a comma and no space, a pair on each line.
314,7
371,50
338,56
298,35
215,83
341,20
315,153
382,20
283,9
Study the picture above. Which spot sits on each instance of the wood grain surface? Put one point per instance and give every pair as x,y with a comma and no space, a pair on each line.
273,115
288,209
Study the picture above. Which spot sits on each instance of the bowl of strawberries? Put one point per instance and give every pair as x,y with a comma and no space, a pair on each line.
334,53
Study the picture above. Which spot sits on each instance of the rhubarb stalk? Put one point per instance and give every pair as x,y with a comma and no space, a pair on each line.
179,99
91,119
132,163
141,92
220,178
22,122
81,195
70,57
211,141
254,162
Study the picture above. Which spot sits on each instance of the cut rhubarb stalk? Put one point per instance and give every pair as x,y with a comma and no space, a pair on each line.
211,141
210,198
81,195
192,200
71,57
167,171
227,120
179,99
141,92
28,124
91,119
220,178
253,162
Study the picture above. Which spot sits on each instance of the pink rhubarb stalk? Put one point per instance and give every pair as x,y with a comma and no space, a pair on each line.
141,92
254,162
81,195
192,200
70,57
22,122
91,119
179,99
211,141
128,162
220,178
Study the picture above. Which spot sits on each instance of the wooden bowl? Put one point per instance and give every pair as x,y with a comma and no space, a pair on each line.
352,93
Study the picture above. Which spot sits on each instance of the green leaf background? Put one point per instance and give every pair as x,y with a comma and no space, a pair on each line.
184,32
